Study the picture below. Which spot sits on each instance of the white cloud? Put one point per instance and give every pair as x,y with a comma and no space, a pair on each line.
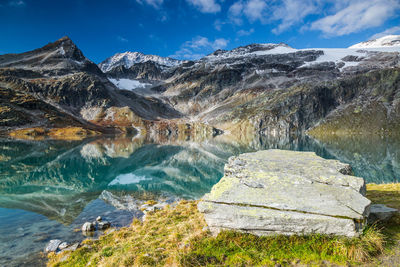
153,3
339,17
235,13
357,15
17,3
394,30
206,6
219,43
291,12
254,10
198,47
122,39
218,24
244,32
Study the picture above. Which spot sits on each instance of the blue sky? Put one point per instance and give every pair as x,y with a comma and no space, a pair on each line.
189,29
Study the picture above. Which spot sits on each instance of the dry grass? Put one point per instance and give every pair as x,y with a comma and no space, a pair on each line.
38,133
175,236
160,240
71,133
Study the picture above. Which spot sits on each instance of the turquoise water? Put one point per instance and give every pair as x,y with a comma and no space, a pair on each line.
49,188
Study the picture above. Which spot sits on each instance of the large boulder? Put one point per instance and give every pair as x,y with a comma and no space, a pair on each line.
286,192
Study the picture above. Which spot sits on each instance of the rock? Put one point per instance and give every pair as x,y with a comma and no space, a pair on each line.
151,208
286,192
63,245
103,225
73,247
380,212
53,245
88,227
99,218
159,206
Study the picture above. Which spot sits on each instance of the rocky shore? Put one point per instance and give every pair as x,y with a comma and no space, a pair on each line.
314,212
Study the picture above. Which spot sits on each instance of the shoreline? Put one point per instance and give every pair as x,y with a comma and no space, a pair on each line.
110,248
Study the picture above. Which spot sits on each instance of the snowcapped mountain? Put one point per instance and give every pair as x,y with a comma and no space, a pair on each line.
250,50
306,57
128,59
385,41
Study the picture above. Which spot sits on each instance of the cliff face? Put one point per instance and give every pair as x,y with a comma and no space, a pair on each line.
56,86
273,89
268,89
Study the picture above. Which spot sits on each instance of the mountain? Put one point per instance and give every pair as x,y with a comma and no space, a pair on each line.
257,89
385,41
128,59
58,58
275,89
145,70
56,86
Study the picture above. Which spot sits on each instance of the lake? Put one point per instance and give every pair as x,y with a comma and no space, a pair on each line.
49,188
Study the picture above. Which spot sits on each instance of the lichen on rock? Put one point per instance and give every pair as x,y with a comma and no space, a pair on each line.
286,192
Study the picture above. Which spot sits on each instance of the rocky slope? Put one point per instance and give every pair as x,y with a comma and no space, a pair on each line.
267,89
56,86
274,89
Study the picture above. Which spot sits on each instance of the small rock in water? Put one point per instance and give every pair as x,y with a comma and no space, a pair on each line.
99,218
63,245
88,227
53,245
380,212
103,225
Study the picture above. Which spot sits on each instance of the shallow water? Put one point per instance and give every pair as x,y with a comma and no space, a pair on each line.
50,188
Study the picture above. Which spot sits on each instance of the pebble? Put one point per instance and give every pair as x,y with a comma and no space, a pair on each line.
53,245
99,219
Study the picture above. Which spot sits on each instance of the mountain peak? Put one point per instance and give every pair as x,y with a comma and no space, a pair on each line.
61,56
129,58
385,41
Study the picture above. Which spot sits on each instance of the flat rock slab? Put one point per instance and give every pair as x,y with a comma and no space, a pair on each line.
286,192
380,212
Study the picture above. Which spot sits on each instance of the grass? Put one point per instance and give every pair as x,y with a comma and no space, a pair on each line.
66,133
388,194
176,236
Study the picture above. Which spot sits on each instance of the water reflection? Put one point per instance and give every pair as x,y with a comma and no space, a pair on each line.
59,184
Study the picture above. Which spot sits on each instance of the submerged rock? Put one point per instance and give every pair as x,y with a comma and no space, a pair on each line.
88,227
103,225
286,192
53,245
380,212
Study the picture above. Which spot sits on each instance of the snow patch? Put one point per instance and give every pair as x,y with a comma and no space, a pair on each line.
128,178
128,84
385,41
276,50
336,55
62,51
128,59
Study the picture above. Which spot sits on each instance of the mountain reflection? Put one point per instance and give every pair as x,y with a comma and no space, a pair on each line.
58,179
